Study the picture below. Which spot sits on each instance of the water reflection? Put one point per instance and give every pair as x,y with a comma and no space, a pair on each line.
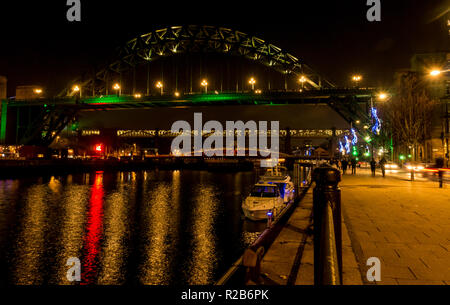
94,228
116,231
30,248
72,228
149,227
204,256
161,217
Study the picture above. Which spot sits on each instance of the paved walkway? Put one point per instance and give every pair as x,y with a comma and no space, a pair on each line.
405,224
290,259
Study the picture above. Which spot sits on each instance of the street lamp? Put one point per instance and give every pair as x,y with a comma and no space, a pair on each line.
252,82
116,87
445,148
160,86
37,91
435,72
204,83
302,80
382,96
76,89
357,79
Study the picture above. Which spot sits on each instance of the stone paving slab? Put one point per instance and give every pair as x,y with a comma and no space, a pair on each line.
406,224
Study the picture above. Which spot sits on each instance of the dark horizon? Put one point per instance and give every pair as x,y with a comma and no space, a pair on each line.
40,47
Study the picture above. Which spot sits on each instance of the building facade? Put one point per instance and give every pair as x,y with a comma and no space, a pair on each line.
437,84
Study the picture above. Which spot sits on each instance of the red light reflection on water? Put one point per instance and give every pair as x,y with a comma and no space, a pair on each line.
94,230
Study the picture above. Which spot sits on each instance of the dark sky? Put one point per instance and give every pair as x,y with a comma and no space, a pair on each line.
39,46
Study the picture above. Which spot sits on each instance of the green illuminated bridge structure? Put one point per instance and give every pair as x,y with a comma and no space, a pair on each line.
39,121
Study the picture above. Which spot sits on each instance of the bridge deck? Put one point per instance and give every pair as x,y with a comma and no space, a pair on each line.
189,100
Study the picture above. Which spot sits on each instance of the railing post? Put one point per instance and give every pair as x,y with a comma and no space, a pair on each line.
252,260
326,195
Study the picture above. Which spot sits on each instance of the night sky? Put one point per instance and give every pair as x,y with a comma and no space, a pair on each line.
39,46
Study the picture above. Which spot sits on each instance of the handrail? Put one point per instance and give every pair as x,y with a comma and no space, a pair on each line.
327,227
329,259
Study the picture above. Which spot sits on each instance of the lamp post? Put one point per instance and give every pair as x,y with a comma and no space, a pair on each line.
356,79
160,86
117,88
252,82
77,89
302,80
436,73
204,83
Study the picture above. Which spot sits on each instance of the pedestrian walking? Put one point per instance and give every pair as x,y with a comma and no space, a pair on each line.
353,162
373,166
440,165
383,166
344,166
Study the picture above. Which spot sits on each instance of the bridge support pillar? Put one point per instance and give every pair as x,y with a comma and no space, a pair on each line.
4,115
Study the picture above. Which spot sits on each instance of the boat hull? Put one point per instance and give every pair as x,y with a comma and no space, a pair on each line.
261,214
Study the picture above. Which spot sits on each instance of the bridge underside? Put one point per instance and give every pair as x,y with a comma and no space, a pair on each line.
38,122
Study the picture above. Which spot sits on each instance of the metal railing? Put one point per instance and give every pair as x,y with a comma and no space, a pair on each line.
327,227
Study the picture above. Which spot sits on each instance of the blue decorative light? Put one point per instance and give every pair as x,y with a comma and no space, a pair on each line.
377,126
347,144
341,147
269,214
354,137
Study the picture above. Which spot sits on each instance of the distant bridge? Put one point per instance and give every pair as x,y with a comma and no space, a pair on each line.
39,121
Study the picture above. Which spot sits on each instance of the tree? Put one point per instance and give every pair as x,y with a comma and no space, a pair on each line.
409,113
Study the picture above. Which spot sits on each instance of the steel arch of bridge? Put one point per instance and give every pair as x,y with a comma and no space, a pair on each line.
203,38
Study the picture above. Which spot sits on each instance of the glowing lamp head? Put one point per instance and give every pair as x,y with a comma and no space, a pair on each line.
137,95
76,88
37,91
159,85
204,83
356,78
435,72
177,94
116,86
382,96
302,79
252,81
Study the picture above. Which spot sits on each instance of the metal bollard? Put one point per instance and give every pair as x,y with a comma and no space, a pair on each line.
327,197
252,260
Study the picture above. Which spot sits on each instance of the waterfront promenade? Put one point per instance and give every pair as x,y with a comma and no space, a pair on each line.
405,224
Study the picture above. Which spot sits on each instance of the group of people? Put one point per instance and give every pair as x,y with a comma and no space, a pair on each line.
344,164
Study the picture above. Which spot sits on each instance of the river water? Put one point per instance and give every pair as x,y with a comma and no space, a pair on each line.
147,227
